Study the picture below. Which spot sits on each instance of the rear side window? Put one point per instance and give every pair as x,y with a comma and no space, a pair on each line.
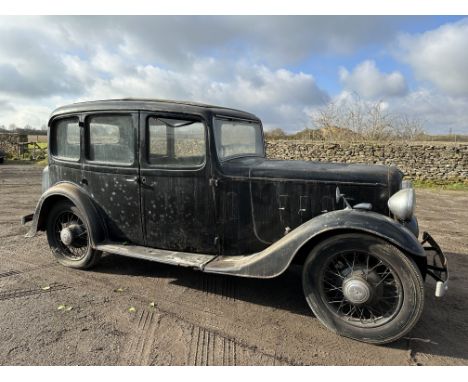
66,139
176,143
111,139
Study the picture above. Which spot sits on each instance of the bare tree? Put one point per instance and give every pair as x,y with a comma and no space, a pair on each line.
276,133
359,120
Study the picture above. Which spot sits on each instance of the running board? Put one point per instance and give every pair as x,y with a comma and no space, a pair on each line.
183,259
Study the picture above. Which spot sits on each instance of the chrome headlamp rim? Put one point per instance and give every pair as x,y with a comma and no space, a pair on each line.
402,204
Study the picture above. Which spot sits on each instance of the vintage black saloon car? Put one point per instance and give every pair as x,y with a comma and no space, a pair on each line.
190,185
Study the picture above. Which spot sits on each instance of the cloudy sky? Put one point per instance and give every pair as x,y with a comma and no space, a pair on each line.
281,68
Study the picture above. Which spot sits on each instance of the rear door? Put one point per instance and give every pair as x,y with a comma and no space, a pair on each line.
111,172
177,199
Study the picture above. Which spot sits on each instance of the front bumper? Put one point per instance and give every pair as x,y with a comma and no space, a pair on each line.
437,265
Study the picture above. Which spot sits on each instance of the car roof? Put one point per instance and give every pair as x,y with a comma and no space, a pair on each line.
151,105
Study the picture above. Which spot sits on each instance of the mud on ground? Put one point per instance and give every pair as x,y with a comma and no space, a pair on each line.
196,318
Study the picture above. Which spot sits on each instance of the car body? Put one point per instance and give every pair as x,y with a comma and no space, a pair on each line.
189,184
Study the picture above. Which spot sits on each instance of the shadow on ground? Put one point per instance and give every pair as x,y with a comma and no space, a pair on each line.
442,329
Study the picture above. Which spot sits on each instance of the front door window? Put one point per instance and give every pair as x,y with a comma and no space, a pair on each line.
176,143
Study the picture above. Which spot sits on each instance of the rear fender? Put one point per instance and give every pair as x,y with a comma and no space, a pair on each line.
80,199
275,259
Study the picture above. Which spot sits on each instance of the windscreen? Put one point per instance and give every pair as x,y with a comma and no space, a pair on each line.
238,138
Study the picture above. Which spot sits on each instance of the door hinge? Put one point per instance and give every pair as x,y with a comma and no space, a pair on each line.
213,182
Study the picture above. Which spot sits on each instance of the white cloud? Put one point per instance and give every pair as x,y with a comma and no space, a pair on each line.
439,56
437,112
241,62
366,80
107,57
276,96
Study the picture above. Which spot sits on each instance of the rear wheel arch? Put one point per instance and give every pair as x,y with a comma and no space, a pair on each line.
68,235
82,201
46,206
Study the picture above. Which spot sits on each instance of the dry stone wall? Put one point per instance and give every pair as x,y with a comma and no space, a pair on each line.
419,161
9,142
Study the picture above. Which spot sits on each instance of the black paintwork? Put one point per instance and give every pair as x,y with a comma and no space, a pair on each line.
240,206
260,199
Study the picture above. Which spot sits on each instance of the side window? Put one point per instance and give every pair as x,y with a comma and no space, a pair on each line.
176,143
66,139
111,139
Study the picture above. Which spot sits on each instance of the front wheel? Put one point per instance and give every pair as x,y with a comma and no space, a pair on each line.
69,237
363,288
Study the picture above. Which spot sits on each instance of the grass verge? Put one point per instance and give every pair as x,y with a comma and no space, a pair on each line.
441,185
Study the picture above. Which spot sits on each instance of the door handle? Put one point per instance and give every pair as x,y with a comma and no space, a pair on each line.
134,179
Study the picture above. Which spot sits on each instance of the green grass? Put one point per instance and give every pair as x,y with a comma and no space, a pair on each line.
43,162
441,185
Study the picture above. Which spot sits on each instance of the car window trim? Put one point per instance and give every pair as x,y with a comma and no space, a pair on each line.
229,118
87,142
53,142
187,117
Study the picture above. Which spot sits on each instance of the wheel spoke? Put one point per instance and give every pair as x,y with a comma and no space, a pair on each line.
386,273
384,298
78,249
336,274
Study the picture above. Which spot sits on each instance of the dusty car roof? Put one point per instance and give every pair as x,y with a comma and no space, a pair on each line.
150,105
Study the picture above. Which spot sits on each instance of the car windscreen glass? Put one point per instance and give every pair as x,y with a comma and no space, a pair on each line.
238,138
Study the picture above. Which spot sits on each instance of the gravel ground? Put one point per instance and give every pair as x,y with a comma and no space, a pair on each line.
184,317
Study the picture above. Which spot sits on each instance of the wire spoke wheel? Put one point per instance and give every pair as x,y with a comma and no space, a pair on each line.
361,289
71,235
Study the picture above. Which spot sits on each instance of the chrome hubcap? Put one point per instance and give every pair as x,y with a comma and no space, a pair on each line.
361,289
356,290
69,234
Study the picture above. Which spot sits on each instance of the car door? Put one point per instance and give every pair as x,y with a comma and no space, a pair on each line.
177,199
110,172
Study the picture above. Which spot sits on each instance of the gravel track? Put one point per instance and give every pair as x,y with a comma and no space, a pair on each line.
184,317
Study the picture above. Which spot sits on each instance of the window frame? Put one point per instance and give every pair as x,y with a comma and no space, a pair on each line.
87,138
182,117
236,119
53,139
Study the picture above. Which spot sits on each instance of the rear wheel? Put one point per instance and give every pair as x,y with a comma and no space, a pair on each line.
364,288
68,236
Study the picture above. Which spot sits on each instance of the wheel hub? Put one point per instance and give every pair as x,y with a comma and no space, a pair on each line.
357,290
69,234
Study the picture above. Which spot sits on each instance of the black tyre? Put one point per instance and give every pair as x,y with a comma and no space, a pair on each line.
68,236
364,288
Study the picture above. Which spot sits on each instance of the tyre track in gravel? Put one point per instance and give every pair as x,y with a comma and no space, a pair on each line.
138,351
207,346
19,293
9,273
